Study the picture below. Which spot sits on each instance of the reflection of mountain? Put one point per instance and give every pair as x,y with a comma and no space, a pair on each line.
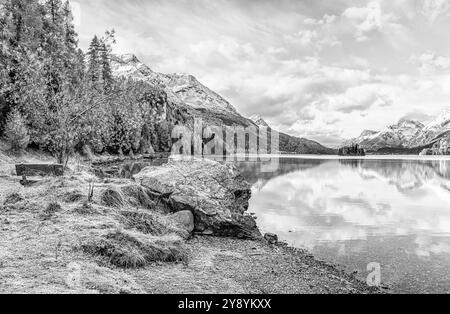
325,200
255,175
352,212
406,175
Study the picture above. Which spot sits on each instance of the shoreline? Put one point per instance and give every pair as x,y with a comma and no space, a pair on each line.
41,249
44,252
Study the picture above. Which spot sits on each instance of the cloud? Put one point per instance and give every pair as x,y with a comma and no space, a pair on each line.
369,20
430,63
419,116
432,9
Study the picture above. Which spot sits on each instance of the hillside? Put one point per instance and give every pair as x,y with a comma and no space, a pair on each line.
188,94
183,90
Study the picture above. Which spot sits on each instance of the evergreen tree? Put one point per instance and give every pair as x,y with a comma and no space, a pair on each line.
16,132
94,63
99,54
20,31
74,56
105,62
54,48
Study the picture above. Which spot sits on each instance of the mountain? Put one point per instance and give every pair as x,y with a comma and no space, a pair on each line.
259,121
186,93
406,137
183,90
434,130
297,145
395,136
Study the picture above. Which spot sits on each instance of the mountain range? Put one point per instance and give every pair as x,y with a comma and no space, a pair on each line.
186,93
405,136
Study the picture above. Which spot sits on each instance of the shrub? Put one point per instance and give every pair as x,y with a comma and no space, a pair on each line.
16,131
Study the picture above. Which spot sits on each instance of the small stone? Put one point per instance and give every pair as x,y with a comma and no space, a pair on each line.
185,220
208,232
271,238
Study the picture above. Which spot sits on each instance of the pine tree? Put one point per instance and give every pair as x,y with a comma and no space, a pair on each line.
105,62
20,31
16,132
74,57
94,69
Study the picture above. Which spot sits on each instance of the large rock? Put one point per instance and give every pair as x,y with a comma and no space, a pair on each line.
215,193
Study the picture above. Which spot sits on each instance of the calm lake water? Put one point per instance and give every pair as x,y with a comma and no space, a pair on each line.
357,211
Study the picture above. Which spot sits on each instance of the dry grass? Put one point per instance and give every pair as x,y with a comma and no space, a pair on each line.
74,196
151,223
86,209
13,198
50,210
128,249
112,197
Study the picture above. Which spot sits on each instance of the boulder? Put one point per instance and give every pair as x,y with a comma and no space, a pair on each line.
185,220
215,193
271,238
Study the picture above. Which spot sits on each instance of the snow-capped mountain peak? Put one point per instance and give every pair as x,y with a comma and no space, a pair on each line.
259,121
396,135
180,88
432,131
127,58
366,134
441,121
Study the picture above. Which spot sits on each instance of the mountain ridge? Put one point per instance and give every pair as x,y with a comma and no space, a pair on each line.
185,91
407,135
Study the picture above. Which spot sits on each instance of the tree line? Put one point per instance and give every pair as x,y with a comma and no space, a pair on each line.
58,98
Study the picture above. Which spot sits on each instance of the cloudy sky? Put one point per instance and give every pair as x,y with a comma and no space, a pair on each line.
324,70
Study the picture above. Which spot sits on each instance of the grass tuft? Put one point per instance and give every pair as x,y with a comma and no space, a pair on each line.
13,199
85,209
73,196
112,197
50,210
130,250
151,223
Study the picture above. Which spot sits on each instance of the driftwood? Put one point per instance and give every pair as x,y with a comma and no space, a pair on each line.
42,170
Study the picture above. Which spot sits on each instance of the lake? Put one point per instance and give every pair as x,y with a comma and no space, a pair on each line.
352,212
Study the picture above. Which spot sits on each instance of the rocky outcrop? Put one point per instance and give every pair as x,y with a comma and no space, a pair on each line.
216,194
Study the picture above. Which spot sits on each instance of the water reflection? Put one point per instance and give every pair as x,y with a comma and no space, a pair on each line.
395,212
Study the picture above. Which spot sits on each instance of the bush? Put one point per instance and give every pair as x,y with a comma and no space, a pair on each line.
16,131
